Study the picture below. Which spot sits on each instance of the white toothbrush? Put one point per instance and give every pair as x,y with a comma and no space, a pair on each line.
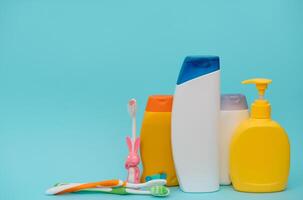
132,107
147,184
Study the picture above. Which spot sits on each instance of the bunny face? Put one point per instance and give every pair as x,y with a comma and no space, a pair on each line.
133,158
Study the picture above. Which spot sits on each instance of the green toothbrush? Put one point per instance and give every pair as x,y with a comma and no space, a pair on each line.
157,190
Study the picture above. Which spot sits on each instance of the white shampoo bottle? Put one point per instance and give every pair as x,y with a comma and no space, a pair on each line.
234,110
195,124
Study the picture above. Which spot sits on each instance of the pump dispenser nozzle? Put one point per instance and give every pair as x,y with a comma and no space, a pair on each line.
260,108
261,84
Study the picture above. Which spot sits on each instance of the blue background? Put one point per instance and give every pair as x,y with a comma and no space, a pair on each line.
68,68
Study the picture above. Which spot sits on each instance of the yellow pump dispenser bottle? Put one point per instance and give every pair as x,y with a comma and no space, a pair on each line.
260,150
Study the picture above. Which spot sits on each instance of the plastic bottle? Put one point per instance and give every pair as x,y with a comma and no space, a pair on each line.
234,110
260,150
195,124
155,140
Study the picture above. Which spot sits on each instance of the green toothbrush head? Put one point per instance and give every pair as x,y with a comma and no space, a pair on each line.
159,191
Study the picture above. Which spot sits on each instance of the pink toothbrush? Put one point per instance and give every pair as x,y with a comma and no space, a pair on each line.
133,144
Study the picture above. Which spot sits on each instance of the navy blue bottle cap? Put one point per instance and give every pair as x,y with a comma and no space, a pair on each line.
196,66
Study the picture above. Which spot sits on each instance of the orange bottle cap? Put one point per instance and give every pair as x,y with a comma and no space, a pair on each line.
159,103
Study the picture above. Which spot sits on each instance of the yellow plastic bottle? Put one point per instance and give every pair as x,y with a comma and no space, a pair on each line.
260,150
155,147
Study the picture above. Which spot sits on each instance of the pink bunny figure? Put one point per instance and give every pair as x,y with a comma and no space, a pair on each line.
133,161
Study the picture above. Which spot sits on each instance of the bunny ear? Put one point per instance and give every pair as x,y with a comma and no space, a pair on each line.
129,143
137,145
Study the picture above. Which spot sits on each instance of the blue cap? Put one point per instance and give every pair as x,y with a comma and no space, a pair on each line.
195,66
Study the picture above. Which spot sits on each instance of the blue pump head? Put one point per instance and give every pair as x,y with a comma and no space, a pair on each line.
196,66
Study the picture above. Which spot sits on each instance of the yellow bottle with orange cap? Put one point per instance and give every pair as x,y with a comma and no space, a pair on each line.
260,150
155,147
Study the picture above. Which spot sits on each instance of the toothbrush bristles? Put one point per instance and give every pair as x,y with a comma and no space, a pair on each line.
132,107
159,191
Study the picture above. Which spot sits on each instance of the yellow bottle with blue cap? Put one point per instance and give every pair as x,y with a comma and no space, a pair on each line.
155,147
260,150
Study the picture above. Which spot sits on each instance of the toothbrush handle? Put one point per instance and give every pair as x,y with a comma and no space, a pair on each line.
134,130
118,190
133,175
107,183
